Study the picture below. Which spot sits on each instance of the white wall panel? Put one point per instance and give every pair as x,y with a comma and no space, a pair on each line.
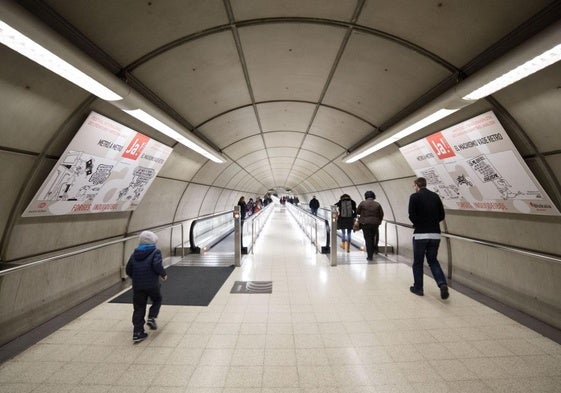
208,204
190,202
182,164
11,180
35,102
158,205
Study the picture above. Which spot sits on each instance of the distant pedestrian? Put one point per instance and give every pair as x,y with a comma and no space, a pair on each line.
250,207
314,206
425,212
145,269
346,219
370,216
243,208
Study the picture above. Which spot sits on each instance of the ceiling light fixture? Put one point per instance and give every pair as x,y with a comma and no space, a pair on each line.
542,50
20,43
167,130
539,62
22,33
386,141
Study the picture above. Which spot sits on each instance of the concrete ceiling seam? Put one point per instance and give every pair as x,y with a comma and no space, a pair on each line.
243,62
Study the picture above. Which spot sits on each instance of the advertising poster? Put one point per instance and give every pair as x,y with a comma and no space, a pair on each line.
107,167
475,166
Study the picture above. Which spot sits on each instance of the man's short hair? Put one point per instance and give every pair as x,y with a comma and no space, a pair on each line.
421,182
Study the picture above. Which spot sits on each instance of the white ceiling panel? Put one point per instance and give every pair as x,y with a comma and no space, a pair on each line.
401,76
199,79
256,156
282,162
311,165
285,116
225,176
327,9
323,147
313,157
341,177
244,147
285,88
339,127
534,103
209,171
455,30
230,127
289,61
283,139
182,164
148,26
282,152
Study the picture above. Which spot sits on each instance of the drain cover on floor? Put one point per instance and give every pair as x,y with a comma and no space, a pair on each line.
252,287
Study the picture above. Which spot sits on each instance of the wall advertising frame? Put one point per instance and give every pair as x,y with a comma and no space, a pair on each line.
107,167
474,165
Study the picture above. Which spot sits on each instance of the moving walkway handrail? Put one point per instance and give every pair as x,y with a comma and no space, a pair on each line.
515,250
203,219
316,219
82,250
260,218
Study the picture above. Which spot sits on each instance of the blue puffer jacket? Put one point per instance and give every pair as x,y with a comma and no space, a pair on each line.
145,267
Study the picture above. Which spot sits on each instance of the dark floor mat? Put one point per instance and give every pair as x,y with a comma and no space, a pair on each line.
188,285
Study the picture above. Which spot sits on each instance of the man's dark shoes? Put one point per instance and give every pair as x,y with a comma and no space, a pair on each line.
444,294
418,292
151,322
138,337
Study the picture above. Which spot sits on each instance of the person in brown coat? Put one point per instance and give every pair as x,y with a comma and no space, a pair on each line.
370,215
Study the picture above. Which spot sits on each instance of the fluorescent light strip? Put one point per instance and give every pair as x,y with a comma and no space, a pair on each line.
440,114
531,66
166,130
20,43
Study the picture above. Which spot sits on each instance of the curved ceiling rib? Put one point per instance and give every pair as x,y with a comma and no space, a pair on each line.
276,88
237,24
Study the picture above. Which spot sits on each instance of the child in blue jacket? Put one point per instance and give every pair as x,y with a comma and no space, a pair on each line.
145,268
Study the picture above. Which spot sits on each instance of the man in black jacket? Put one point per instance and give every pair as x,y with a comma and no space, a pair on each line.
425,212
314,205
145,268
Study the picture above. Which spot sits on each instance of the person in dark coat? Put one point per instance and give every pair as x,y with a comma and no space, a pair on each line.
425,212
346,219
370,217
243,208
145,269
314,206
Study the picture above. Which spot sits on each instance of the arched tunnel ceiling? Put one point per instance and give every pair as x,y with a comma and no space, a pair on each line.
284,88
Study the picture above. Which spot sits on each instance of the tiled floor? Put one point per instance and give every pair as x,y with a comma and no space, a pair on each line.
346,329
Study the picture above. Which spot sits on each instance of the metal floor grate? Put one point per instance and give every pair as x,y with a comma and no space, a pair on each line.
252,287
208,259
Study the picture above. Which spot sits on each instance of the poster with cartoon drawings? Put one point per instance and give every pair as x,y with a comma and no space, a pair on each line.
107,167
475,166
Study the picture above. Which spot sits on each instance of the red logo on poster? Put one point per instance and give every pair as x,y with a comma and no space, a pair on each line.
440,146
138,143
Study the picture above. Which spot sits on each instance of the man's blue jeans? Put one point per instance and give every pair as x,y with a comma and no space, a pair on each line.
428,247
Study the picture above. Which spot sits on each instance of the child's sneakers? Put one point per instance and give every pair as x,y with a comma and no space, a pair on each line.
151,322
138,337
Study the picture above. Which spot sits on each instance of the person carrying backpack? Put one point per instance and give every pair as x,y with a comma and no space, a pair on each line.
346,219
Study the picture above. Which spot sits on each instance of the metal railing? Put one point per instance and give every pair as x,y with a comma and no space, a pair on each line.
247,230
357,241
257,220
504,247
82,250
206,231
316,228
